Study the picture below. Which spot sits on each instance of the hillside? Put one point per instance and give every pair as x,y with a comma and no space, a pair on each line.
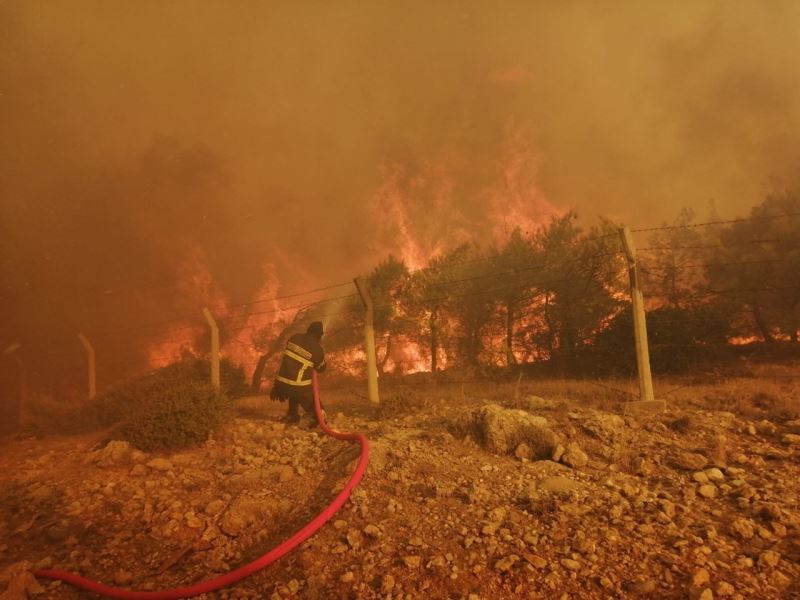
696,502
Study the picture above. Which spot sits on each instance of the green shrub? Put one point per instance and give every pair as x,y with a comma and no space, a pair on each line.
168,408
181,415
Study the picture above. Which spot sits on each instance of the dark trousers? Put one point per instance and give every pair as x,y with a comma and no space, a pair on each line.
297,401
297,397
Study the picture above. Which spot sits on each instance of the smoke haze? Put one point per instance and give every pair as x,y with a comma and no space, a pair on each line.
156,157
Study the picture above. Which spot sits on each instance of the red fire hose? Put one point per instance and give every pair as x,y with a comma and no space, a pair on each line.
256,565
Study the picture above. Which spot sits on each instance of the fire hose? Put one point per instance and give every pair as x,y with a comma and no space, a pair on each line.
229,578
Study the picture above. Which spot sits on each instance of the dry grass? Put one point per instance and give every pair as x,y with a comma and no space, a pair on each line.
402,401
256,407
777,399
754,398
770,394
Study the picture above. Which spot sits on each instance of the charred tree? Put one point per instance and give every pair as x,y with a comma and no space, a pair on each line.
510,359
258,373
761,324
434,341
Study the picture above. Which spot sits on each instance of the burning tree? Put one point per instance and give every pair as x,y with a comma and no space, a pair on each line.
469,306
430,295
516,265
756,266
672,269
387,284
578,280
560,293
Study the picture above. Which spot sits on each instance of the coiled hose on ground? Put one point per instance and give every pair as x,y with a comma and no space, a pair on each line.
250,568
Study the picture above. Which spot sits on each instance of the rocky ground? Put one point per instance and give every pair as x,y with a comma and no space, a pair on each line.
464,498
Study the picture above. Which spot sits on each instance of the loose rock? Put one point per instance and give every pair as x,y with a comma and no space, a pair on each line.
707,491
115,454
574,457
502,429
769,559
506,563
572,565
647,586
690,461
559,485
160,464
700,577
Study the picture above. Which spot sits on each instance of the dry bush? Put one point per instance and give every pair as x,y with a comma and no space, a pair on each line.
682,424
400,402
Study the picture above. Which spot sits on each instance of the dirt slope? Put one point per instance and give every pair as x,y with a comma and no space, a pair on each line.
688,504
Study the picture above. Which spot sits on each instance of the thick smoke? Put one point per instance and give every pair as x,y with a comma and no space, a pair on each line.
142,142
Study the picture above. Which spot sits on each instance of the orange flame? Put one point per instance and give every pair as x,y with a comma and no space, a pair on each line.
410,212
516,200
406,357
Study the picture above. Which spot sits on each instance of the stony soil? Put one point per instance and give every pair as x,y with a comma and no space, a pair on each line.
684,504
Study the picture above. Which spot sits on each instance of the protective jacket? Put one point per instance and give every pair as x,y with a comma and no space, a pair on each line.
303,353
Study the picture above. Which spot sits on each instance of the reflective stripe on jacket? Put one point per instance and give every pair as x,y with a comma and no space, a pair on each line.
303,352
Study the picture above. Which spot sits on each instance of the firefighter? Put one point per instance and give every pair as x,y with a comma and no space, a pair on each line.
293,381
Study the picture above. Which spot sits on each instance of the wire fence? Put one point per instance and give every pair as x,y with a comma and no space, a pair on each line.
563,304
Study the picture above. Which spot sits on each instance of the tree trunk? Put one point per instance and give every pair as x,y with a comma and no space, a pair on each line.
568,341
475,350
761,324
434,344
510,360
673,283
385,359
550,332
569,348
258,373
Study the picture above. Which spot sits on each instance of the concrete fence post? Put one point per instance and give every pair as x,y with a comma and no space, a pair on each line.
91,361
214,348
639,321
369,336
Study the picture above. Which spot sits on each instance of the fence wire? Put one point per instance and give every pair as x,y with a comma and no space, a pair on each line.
568,281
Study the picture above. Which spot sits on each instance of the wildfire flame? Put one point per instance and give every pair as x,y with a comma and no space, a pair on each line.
402,207
516,200
416,216
406,357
